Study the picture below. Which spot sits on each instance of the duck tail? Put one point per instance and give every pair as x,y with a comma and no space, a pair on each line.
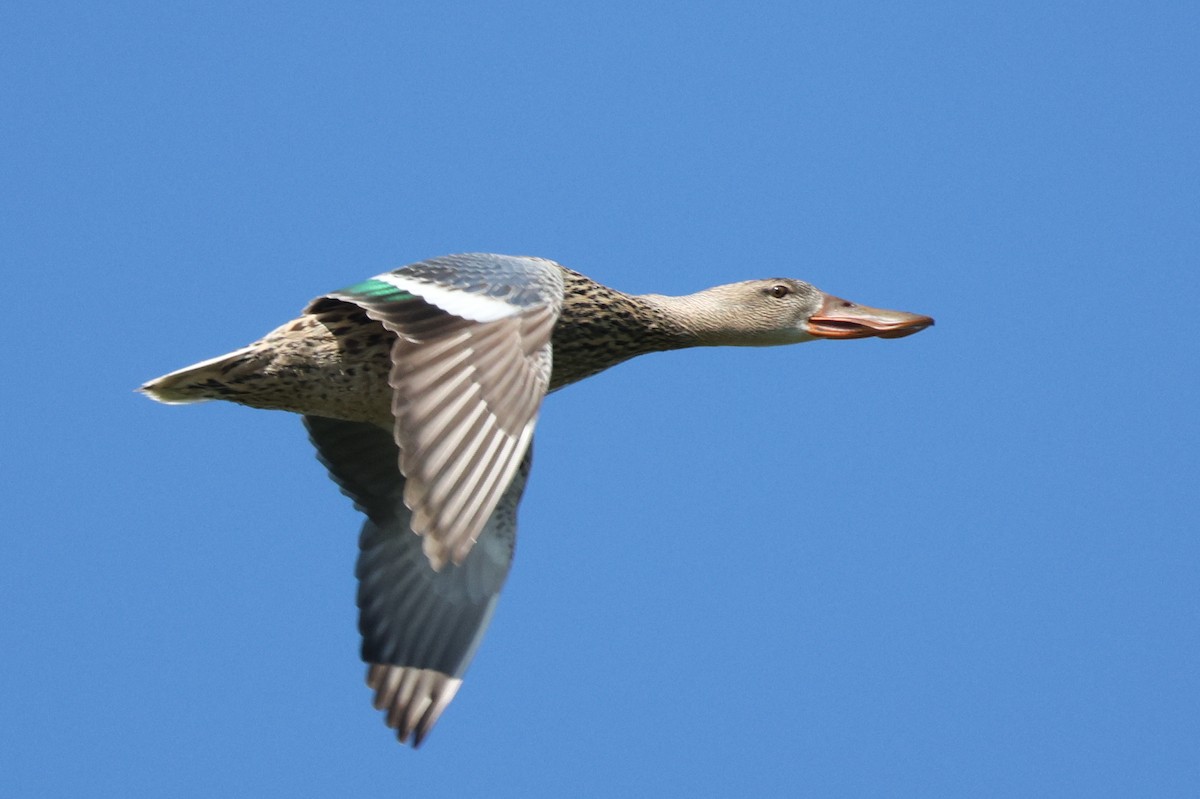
199,382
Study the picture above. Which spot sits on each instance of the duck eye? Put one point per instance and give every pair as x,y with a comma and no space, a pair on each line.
780,291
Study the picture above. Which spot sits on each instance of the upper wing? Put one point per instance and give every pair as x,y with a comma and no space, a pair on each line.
420,627
470,366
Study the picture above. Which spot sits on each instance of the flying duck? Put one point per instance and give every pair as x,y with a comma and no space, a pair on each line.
420,390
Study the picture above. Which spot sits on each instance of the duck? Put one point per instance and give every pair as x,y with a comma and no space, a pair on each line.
420,389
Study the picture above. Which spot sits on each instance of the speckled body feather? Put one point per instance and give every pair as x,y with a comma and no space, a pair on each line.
334,361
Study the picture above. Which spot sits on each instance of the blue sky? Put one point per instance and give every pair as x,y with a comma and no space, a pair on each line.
963,563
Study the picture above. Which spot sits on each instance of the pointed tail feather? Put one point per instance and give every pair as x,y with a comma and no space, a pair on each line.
196,383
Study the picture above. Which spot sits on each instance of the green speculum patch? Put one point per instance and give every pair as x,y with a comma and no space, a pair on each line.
377,290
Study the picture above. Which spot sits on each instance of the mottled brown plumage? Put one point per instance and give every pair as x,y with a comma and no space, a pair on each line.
334,361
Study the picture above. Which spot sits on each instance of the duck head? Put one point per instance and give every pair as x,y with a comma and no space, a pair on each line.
784,311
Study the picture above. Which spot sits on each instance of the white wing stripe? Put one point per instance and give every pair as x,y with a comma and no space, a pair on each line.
463,304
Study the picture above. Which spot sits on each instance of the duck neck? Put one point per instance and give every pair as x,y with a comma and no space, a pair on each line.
600,327
698,320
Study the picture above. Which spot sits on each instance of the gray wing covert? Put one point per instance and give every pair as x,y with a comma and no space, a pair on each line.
470,366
